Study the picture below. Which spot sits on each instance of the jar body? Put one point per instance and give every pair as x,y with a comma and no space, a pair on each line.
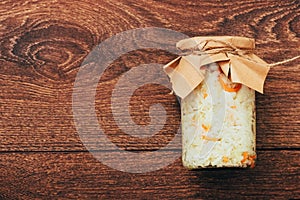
218,123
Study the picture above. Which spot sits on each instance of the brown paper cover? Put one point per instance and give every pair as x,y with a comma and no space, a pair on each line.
233,54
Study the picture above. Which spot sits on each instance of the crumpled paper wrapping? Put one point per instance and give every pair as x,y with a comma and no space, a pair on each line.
233,54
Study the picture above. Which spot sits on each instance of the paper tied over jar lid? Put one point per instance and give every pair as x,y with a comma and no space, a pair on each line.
233,54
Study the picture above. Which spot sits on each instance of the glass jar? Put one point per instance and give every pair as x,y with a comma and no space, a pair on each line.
218,123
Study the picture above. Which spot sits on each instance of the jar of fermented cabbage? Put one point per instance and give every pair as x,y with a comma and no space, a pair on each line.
218,123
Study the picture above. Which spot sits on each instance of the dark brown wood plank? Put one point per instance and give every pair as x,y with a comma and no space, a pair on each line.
42,46
41,51
40,125
80,176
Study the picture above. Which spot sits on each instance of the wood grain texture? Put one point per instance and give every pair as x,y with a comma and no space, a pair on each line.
74,175
42,46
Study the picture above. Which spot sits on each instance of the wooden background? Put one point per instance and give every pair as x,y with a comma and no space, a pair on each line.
42,45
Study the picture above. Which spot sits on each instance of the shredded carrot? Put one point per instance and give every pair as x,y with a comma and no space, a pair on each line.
206,128
245,157
233,107
252,161
228,85
245,154
205,95
205,137
225,159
